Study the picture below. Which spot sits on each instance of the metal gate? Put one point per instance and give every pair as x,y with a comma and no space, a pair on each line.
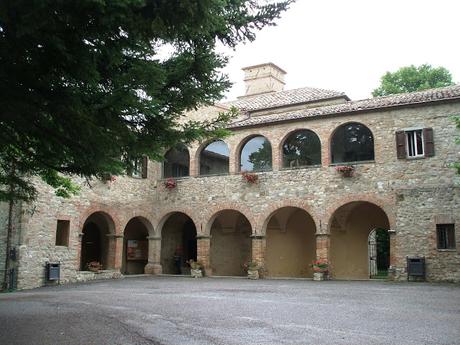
372,250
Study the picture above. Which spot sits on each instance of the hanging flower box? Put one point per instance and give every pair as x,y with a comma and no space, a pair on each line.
250,177
170,183
345,170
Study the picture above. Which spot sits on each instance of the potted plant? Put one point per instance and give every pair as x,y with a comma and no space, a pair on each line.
250,177
252,269
345,170
196,268
320,269
170,183
94,266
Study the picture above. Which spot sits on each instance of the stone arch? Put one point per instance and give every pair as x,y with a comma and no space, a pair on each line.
263,219
178,233
108,211
136,245
349,229
145,219
230,242
165,214
213,212
97,240
186,168
387,205
288,135
199,152
334,133
244,141
290,235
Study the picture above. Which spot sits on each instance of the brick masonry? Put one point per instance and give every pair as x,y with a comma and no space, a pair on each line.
414,194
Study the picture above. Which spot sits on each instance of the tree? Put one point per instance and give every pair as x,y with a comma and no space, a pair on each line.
412,78
87,86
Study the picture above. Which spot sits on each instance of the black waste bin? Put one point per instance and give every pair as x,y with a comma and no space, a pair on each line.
53,271
416,267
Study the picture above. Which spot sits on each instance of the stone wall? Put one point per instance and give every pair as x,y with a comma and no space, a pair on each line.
412,193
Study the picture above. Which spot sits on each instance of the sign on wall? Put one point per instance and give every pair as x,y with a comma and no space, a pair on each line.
137,250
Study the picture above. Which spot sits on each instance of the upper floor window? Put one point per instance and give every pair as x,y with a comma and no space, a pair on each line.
415,143
445,234
352,142
177,162
256,155
214,158
301,148
138,167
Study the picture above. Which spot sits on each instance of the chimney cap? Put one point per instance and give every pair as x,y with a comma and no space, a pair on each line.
263,65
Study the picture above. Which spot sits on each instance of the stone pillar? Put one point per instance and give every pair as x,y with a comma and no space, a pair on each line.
323,244
115,255
203,245
393,272
154,264
233,162
259,244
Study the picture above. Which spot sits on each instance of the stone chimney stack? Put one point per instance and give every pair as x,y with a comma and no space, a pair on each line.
264,78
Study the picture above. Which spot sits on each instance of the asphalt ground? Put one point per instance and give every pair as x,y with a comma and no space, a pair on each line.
182,310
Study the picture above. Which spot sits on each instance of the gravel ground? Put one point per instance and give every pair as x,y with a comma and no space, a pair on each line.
182,310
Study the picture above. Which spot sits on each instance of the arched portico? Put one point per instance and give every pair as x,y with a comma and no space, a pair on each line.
350,226
290,243
136,245
230,245
95,242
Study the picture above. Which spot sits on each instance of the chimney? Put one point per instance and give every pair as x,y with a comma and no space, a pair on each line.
263,78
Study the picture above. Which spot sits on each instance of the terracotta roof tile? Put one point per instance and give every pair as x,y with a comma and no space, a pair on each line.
432,95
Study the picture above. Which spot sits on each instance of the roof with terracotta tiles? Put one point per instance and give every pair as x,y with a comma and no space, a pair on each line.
284,98
377,103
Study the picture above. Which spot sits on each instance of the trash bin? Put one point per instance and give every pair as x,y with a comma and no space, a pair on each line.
416,267
53,271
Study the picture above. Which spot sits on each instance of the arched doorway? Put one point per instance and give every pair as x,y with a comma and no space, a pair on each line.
135,246
178,244
291,243
231,245
379,253
351,227
95,244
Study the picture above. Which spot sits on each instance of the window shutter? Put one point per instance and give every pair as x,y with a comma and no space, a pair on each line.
428,139
145,162
401,144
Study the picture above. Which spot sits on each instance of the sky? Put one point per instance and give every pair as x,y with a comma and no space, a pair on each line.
348,45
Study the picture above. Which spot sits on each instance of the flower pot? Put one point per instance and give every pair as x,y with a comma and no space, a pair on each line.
253,274
318,276
196,273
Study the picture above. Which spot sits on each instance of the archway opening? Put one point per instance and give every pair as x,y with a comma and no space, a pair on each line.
256,155
135,246
291,243
379,253
214,158
95,244
352,142
177,162
351,227
231,245
178,244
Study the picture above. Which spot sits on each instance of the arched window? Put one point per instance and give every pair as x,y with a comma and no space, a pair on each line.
352,142
301,148
214,158
256,155
177,162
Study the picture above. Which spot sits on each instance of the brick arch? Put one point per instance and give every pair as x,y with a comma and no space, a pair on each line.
144,219
263,219
201,147
331,136
110,212
386,204
239,147
190,158
164,216
285,137
213,212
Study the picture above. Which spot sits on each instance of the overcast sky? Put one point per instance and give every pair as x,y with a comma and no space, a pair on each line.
348,45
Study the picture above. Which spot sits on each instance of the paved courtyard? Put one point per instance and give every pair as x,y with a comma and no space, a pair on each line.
176,310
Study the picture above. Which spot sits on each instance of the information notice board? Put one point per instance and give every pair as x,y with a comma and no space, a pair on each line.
137,250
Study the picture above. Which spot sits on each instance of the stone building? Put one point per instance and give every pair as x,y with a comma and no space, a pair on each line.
400,199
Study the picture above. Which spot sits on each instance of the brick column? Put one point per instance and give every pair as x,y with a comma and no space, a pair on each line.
154,264
203,245
393,272
258,249
323,244
115,255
